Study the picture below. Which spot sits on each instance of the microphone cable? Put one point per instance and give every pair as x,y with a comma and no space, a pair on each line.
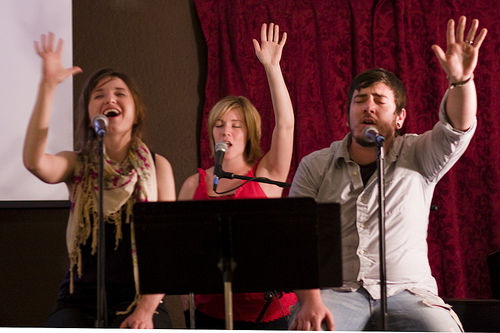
237,187
269,297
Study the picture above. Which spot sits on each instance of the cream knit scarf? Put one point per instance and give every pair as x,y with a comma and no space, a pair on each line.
133,180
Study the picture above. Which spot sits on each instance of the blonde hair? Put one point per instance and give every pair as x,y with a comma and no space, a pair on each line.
253,150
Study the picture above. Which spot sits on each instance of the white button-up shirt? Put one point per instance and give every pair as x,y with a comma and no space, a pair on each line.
413,166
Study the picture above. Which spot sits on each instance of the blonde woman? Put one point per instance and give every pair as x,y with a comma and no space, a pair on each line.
235,121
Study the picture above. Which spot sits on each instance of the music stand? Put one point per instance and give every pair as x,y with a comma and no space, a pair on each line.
272,244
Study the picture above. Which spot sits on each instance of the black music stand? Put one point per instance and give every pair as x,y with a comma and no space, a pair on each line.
255,244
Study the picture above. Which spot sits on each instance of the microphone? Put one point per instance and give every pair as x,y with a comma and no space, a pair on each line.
370,134
100,123
220,150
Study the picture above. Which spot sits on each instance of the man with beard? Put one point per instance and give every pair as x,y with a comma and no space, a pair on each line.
345,173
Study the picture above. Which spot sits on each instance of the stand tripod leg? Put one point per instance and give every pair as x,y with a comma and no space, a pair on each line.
228,299
191,311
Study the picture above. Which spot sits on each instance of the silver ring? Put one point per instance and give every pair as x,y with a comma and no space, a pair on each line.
469,41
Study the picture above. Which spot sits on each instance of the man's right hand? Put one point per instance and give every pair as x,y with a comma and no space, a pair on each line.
312,313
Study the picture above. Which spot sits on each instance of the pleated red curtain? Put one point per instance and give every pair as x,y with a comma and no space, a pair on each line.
329,42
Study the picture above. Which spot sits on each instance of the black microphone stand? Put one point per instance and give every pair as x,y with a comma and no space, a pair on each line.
227,264
101,245
381,198
230,175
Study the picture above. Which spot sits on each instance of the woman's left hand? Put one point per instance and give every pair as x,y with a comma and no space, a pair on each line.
142,317
138,319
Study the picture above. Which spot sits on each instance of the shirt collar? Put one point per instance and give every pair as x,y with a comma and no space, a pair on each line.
342,152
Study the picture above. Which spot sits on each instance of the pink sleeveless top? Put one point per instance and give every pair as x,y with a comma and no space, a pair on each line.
246,306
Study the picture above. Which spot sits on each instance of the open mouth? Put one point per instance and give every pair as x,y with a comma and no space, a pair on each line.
368,121
111,113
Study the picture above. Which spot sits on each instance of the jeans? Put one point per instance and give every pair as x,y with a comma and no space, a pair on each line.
412,311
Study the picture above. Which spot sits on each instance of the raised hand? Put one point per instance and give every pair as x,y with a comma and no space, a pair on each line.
461,55
276,162
53,70
270,49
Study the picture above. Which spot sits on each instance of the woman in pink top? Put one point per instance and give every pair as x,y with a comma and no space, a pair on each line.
236,121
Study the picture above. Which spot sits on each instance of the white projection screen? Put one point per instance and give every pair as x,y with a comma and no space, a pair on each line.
22,22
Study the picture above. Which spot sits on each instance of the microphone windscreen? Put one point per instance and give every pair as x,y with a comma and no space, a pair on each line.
100,118
221,146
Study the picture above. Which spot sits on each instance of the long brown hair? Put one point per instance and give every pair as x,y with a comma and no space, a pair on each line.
85,134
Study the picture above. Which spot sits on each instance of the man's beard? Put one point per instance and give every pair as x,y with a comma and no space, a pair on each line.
387,132
364,143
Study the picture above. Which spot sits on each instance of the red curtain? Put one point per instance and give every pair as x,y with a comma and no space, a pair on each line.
329,42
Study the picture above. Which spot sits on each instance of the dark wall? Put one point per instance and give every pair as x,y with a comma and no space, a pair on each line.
160,44
33,261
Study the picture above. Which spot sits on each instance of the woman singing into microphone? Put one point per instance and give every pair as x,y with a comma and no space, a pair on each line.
235,121
131,174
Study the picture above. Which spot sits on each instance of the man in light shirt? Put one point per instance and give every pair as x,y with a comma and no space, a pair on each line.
345,173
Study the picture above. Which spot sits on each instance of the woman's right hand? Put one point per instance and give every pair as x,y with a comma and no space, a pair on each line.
313,313
53,69
270,48
49,168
